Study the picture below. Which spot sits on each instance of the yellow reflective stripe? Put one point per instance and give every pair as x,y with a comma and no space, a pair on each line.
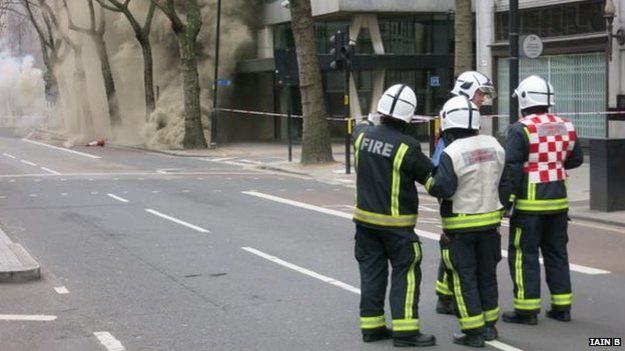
512,197
357,149
562,299
542,205
411,282
397,161
531,191
518,264
526,304
491,315
442,288
472,220
471,322
462,308
372,322
385,220
428,183
405,324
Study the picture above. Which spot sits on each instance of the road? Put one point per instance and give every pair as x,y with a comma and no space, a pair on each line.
145,251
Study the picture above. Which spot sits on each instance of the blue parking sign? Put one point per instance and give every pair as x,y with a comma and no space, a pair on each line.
435,81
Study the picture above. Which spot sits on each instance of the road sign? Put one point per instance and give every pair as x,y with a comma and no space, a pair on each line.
224,82
435,81
532,46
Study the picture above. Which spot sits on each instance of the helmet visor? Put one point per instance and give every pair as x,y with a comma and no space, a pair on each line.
488,90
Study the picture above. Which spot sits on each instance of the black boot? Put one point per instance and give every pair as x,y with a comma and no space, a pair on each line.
518,318
382,334
491,333
414,340
562,316
473,340
445,305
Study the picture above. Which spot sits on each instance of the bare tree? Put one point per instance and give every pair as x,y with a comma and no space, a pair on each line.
95,31
142,34
187,33
316,146
463,28
49,41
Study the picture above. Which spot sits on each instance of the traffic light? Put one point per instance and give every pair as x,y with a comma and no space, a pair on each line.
337,41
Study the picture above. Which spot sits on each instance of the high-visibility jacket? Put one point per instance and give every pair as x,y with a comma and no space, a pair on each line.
467,181
539,150
387,163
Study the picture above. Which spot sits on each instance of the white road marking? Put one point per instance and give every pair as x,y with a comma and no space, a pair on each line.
422,233
33,195
176,220
302,270
27,317
109,341
50,171
61,290
9,155
64,194
504,347
94,193
113,196
155,191
61,149
28,163
3,197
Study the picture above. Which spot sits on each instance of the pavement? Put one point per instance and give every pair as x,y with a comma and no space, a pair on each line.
16,265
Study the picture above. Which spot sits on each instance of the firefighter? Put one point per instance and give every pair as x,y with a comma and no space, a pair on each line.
477,87
467,181
388,162
539,149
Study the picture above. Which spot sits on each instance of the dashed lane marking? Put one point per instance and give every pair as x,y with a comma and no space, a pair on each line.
61,290
302,270
9,155
61,149
422,233
50,171
28,163
109,341
178,221
118,198
27,317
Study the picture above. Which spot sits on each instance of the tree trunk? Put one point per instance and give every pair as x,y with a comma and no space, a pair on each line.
148,74
463,28
51,85
107,75
316,146
193,131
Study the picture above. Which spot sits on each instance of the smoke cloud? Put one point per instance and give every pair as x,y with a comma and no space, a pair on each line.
165,127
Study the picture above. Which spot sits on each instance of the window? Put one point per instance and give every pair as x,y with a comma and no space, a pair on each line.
553,21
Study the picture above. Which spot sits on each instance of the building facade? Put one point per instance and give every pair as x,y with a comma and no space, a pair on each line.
399,41
574,59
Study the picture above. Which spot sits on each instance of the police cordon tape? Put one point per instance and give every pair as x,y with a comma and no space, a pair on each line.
415,118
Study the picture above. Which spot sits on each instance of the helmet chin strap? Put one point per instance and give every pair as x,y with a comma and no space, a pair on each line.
470,114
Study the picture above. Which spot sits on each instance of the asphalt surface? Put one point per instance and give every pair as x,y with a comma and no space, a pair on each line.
144,251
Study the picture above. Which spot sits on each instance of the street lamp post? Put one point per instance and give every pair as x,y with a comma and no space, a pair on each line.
216,79
514,57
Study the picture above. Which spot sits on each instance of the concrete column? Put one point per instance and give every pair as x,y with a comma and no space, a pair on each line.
265,43
484,37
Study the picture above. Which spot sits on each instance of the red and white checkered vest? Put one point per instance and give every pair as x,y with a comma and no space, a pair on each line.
551,140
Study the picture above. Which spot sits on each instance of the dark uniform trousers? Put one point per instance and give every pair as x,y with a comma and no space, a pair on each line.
528,233
471,262
374,248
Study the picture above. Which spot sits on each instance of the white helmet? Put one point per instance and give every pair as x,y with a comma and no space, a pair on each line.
460,113
471,81
398,102
534,91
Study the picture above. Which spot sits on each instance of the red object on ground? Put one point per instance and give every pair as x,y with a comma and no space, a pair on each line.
98,142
